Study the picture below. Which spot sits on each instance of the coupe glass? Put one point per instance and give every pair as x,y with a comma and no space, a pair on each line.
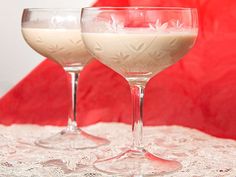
138,43
56,34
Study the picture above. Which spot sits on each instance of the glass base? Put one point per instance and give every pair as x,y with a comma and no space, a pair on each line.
72,138
137,163
65,166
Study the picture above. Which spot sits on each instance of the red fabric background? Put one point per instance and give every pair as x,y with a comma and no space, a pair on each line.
199,91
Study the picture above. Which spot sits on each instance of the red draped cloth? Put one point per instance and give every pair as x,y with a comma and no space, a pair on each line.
199,91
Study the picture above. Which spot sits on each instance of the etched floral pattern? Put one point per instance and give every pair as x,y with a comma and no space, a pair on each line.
158,26
64,46
115,25
76,42
55,49
120,56
177,24
98,47
137,47
138,53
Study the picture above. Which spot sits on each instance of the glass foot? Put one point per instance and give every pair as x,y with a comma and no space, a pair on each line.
137,163
69,139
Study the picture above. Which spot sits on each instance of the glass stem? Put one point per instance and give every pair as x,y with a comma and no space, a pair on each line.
72,124
137,94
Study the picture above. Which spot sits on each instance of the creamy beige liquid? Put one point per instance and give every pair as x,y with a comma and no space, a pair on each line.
139,55
64,46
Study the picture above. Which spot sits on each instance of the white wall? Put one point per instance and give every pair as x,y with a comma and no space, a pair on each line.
17,59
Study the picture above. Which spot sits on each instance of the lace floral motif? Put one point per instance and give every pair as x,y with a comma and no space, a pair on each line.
200,154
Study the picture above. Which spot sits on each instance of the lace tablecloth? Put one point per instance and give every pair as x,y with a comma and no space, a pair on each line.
200,154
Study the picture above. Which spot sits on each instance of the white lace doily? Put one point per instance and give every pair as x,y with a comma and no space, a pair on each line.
200,154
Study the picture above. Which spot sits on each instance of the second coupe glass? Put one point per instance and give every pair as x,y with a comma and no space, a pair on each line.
55,33
138,43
